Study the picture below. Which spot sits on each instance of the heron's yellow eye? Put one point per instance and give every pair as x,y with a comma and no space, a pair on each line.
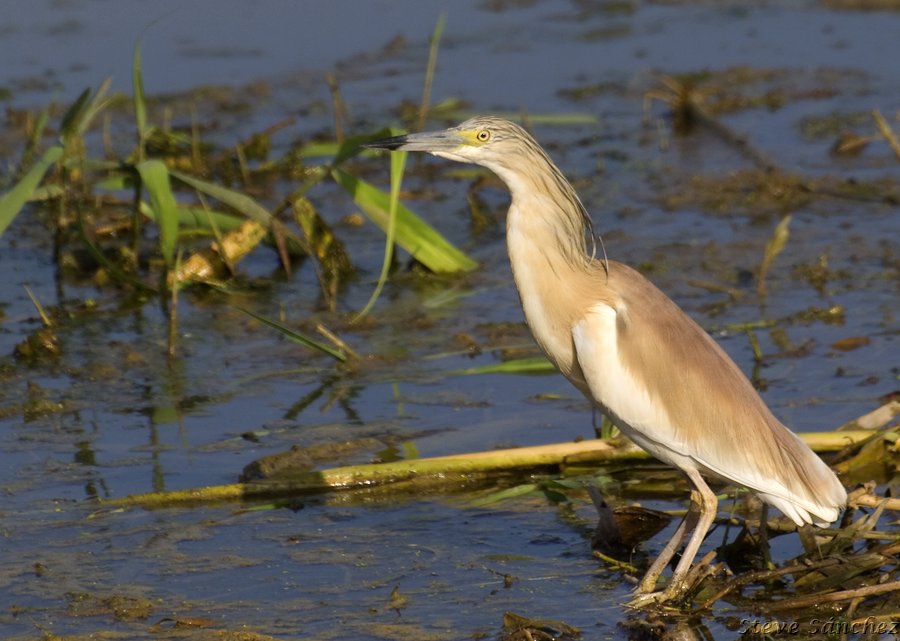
484,135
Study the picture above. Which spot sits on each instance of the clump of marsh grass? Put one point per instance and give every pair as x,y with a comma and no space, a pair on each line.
182,223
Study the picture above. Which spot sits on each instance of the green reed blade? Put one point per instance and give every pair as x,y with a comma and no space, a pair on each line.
140,100
430,67
413,234
235,199
155,178
398,162
534,365
11,202
297,337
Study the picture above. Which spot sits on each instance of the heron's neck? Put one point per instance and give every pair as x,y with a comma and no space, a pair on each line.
545,238
545,216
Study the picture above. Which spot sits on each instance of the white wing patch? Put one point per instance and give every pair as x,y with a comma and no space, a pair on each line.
621,391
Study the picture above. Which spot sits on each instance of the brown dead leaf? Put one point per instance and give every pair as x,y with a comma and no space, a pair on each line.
850,343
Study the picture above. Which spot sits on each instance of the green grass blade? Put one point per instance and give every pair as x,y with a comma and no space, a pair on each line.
319,150
286,241
413,234
197,220
46,192
339,152
140,101
297,337
234,199
155,178
429,69
534,365
11,202
95,105
352,146
505,494
398,162
73,116
34,140
79,116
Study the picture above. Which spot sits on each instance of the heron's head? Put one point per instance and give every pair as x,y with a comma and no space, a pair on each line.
483,140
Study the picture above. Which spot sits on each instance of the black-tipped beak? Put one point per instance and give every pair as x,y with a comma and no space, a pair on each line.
391,144
434,142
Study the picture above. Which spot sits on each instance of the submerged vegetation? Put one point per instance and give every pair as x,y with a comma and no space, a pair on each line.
833,570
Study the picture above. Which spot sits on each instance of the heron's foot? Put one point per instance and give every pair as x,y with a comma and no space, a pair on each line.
676,593
670,596
644,600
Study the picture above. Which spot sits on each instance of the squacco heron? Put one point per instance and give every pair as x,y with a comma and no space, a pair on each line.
633,352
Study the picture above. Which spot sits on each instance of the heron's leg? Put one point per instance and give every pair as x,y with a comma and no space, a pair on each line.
708,505
764,548
648,583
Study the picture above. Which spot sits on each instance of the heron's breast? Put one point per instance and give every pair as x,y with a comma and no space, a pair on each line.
546,299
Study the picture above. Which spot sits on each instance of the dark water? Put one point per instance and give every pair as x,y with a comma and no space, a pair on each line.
111,416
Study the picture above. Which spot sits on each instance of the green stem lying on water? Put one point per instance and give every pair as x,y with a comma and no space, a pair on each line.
439,472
